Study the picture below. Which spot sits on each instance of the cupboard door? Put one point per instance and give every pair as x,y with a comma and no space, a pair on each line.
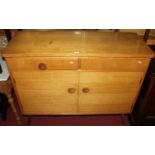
108,92
49,92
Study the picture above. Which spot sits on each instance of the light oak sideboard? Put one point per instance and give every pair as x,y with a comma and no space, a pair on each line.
77,72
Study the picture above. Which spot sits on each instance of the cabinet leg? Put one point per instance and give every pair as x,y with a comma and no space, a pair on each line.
29,120
12,104
131,119
8,34
123,117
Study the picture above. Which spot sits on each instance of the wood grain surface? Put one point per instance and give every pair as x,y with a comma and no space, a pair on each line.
77,72
47,92
77,43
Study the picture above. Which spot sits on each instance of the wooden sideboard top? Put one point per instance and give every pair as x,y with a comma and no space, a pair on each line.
77,43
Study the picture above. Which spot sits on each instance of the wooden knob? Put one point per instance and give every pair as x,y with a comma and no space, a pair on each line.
85,90
71,90
42,66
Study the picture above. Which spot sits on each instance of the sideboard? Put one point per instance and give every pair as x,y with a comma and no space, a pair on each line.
77,72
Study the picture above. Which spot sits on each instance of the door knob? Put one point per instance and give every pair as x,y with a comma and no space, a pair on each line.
85,90
71,90
42,66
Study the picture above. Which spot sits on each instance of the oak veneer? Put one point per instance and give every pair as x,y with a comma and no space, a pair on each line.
77,72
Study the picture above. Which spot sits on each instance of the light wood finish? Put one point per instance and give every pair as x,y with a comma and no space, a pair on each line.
77,43
77,72
114,64
6,88
47,92
150,41
110,92
67,63
32,63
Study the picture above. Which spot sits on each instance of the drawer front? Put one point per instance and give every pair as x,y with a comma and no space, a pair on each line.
43,63
115,64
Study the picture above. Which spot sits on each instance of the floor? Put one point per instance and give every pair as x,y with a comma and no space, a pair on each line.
106,120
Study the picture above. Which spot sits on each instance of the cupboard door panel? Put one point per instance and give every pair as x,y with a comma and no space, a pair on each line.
111,92
47,92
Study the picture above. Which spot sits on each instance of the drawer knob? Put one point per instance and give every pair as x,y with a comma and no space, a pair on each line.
42,66
71,90
85,90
